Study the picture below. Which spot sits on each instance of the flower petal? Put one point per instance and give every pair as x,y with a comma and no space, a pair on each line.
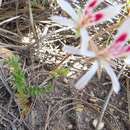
90,5
75,51
71,50
105,14
122,36
83,81
68,9
115,81
84,39
63,21
124,51
88,54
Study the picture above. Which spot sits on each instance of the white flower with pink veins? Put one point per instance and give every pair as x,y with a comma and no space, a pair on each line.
102,58
87,17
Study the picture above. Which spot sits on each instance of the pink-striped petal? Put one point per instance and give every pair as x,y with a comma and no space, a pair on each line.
105,14
125,49
90,5
122,36
120,52
128,49
68,9
63,21
83,81
114,79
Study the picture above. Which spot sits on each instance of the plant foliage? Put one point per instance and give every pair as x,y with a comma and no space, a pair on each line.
23,91
60,72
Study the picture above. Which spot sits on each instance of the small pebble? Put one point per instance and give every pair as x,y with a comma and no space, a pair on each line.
70,126
101,125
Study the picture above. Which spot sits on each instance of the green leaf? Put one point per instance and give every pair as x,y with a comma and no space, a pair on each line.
128,3
36,91
19,80
60,72
18,76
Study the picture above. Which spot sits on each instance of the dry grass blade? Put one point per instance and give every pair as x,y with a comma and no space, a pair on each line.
5,53
128,96
9,32
0,3
31,19
8,20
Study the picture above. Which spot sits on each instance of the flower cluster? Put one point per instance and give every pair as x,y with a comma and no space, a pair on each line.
85,18
102,58
118,48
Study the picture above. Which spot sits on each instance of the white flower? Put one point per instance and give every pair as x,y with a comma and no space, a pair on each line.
83,51
87,17
103,58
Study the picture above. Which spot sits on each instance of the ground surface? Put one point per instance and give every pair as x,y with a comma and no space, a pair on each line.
64,108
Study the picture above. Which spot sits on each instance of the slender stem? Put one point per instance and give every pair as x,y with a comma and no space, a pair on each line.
107,101
32,20
104,108
128,96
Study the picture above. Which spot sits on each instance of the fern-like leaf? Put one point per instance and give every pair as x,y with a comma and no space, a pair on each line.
60,72
36,91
